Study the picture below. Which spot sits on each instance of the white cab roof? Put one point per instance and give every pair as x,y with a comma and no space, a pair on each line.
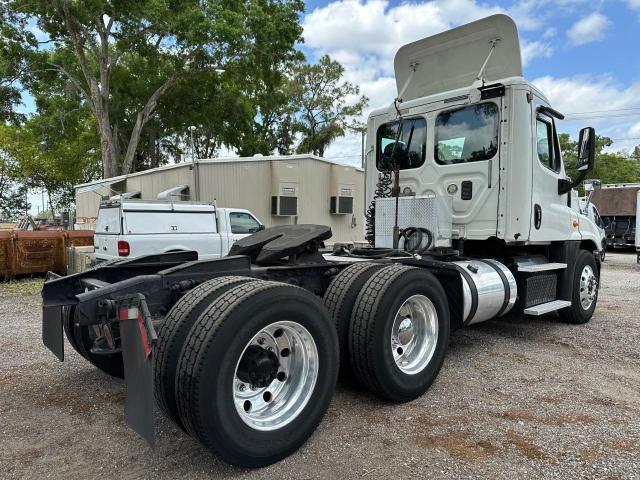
451,60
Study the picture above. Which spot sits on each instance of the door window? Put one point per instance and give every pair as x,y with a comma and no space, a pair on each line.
545,146
467,134
410,150
243,223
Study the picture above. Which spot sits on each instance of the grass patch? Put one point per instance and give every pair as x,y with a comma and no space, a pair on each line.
25,286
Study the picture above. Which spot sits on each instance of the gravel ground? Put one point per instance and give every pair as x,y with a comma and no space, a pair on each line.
516,398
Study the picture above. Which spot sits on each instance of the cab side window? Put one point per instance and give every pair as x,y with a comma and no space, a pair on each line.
548,150
242,222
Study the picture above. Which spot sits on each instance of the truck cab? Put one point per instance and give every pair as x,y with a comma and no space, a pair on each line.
477,138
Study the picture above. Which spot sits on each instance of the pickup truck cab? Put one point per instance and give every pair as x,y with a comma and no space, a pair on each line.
131,228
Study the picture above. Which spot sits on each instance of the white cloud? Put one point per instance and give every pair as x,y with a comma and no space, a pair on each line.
531,50
634,4
634,131
590,28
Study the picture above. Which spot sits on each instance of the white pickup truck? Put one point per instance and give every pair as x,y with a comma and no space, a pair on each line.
130,228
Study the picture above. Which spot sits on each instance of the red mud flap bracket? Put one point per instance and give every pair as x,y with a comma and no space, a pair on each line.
138,338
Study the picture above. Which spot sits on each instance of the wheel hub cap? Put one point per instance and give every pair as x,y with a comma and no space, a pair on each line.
414,334
588,287
275,375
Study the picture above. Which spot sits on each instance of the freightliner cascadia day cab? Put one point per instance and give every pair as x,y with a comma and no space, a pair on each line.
469,218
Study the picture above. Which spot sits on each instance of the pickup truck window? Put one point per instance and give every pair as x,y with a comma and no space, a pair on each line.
108,222
411,148
467,134
243,223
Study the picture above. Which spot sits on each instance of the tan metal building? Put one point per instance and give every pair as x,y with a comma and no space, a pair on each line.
279,190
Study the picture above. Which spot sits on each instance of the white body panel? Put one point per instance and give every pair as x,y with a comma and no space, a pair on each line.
151,227
637,221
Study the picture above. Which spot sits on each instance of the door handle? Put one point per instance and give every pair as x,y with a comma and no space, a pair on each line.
537,216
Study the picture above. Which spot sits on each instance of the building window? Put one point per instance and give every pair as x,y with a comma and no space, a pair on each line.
467,134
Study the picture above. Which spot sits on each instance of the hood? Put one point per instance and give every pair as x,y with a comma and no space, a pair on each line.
452,59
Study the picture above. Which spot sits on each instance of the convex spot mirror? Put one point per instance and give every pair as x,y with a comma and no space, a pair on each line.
586,150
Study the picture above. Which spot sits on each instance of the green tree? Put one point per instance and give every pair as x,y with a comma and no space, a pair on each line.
326,106
13,192
160,42
610,167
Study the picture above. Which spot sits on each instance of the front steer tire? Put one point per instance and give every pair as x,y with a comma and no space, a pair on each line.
210,361
172,334
577,313
378,307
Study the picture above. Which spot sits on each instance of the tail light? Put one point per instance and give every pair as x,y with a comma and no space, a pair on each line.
123,248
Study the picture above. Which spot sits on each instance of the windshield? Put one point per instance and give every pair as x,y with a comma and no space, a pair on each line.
410,150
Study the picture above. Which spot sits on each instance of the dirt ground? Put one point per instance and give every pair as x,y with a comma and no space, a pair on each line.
516,398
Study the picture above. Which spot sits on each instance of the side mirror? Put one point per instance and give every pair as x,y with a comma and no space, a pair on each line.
261,227
586,150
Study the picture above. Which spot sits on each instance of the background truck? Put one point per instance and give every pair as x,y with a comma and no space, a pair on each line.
616,204
131,228
470,219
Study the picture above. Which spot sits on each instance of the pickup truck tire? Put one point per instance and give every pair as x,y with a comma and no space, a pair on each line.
82,342
399,332
246,335
585,289
172,334
340,298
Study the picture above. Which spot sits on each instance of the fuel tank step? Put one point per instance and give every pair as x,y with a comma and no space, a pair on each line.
542,267
546,307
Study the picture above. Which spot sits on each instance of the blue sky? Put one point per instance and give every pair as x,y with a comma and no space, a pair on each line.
584,55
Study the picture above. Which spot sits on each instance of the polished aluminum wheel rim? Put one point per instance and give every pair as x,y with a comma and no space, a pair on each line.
588,287
280,402
414,334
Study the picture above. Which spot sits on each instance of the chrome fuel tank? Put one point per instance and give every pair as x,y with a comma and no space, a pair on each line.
489,289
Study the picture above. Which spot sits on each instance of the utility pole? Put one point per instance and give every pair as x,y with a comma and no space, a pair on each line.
194,166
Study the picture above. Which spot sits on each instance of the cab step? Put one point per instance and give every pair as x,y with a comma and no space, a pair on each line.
542,267
543,308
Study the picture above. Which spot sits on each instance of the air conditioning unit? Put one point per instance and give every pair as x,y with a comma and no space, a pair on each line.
285,188
343,203
342,189
284,205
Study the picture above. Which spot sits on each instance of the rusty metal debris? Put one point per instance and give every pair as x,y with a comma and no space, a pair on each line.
26,252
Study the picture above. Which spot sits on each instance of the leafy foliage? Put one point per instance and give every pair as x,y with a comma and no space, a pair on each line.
326,110
610,167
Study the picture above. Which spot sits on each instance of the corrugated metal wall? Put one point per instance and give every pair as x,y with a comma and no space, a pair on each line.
247,183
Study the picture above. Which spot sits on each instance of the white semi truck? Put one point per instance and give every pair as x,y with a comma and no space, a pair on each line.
470,218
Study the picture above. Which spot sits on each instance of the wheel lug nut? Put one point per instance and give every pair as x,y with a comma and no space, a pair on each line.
261,341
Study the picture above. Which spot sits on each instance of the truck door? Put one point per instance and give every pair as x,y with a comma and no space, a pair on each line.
551,216
467,160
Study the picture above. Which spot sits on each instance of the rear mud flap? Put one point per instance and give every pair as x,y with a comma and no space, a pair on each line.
138,338
52,330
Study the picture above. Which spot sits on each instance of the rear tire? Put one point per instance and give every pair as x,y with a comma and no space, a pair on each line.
340,299
172,334
399,332
207,381
81,340
585,289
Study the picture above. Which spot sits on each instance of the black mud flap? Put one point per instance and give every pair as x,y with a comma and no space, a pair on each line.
52,330
138,338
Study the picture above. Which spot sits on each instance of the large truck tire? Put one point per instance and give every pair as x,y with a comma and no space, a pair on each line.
81,340
257,372
340,298
172,334
585,289
399,332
